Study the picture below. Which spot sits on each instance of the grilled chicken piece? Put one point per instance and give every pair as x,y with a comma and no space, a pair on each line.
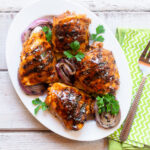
69,27
70,105
97,72
37,61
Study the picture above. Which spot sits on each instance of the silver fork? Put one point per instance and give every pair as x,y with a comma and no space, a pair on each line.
144,64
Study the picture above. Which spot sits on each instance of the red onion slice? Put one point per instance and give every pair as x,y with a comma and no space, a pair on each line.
38,89
61,73
38,22
106,120
66,70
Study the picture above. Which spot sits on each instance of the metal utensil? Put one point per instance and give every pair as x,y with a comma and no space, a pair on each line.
144,64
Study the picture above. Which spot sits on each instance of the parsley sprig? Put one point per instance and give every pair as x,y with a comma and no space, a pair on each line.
73,53
107,103
48,33
97,37
37,102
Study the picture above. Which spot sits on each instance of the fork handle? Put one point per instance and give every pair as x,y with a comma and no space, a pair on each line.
130,117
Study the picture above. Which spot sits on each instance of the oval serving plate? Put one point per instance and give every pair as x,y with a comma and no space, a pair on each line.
40,8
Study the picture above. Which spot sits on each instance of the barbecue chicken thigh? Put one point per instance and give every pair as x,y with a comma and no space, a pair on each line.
97,72
37,61
70,105
68,28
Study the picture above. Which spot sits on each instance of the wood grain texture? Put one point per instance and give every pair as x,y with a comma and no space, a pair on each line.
5,20
13,114
18,129
113,19
94,5
45,140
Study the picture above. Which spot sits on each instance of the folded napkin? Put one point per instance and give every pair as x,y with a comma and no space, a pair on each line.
114,145
133,42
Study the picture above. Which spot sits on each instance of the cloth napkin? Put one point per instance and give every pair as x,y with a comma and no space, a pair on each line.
133,42
114,145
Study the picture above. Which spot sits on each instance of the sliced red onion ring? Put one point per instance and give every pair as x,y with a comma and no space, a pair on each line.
39,22
106,120
38,89
66,70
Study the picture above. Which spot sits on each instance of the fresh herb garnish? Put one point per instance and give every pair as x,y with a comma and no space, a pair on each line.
70,54
48,33
107,103
100,29
39,105
79,56
97,37
75,45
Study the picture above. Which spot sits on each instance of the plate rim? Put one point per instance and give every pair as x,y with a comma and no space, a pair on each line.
7,62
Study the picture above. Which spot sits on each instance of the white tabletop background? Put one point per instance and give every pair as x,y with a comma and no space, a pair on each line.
18,129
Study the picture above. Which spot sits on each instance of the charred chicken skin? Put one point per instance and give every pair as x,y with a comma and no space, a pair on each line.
69,27
97,72
37,61
69,104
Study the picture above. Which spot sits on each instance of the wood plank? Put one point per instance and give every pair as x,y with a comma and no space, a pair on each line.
125,19
120,5
94,5
5,20
13,114
45,140
113,19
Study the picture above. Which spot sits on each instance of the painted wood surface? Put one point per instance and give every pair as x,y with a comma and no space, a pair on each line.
18,129
94,5
45,141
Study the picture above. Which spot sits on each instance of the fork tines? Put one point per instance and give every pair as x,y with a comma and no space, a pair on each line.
145,56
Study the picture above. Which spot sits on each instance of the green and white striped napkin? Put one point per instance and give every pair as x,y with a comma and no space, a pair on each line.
133,42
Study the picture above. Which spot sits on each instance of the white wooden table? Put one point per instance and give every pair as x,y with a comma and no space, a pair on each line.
18,129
